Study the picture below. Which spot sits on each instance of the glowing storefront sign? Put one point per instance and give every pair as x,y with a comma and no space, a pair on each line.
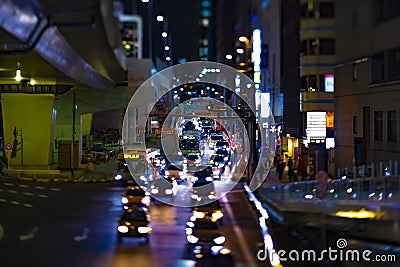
265,102
316,125
329,83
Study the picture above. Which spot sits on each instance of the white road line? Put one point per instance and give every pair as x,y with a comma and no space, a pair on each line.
8,184
3,200
27,205
43,196
39,187
55,189
1,190
28,194
23,185
15,202
239,234
13,191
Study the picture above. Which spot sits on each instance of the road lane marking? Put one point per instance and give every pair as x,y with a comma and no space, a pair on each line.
3,200
30,235
28,193
13,191
240,236
15,202
1,190
28,205
8,184
55,189
39,187
79,238
43,196
23,185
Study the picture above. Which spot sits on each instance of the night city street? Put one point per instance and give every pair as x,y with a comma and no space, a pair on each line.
199,133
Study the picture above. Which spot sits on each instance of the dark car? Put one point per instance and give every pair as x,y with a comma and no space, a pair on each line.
134,222
203,233
212,210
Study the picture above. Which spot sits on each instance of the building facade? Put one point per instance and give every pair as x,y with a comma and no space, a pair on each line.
367,79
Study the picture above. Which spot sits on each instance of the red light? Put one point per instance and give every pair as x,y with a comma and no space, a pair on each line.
132,36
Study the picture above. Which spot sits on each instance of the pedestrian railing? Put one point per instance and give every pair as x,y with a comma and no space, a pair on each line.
376,189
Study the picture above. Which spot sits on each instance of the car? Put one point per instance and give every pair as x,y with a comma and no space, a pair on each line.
214,138
135,195
174,172
134,222
222,145
192,159
101,154
200,172
164,187
223,152
212,210
203,190
203,233
214,257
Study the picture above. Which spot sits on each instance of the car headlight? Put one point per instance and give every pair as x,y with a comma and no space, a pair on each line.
192,239
154,191
146,200
219,240
124,200
144,229
190,224
217,215
118,177
123,229
199,214
168,191
189,231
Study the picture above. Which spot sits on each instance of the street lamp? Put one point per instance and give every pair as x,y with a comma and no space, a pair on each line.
166,38
246,41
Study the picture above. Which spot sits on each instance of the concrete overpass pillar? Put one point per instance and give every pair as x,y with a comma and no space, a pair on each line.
33,116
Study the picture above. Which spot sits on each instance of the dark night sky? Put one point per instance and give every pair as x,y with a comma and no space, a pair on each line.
181,20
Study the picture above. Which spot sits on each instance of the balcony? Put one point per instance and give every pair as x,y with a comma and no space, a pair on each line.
311,28
316,64
316,101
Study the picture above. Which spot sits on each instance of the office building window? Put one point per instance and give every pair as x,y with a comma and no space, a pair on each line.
326,10
355,125
392,125
327,46
378,68
394,64
378,125
386,9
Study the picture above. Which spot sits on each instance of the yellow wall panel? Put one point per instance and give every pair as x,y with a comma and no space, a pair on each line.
33,114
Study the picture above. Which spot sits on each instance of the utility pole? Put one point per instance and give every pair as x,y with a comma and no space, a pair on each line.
73,134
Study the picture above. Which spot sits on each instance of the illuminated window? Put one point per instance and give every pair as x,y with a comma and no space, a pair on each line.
206,3
206,13
205,22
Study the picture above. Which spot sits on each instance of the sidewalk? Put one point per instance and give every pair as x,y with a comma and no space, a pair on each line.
103,172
